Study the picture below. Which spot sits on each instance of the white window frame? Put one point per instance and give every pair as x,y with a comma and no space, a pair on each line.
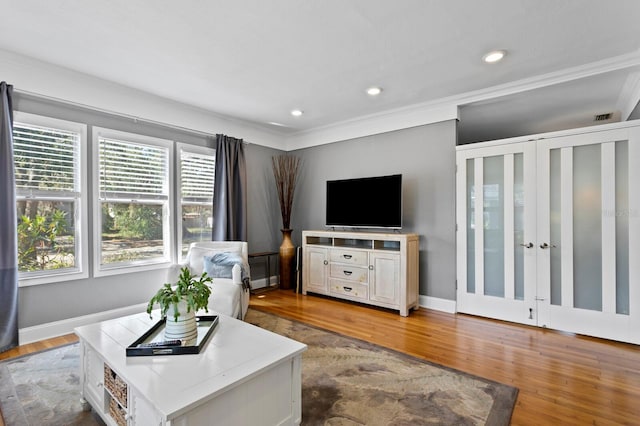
81,271
168,224
178,192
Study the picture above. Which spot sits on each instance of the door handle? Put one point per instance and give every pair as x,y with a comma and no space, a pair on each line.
546,246
528,245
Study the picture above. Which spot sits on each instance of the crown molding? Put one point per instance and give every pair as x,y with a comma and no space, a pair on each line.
544,80
447,108
387,121
629,96
52,82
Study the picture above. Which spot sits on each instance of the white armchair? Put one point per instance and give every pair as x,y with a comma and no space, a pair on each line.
229,296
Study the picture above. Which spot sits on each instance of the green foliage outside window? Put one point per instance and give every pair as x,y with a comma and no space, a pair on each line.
41,242
135,221
131,232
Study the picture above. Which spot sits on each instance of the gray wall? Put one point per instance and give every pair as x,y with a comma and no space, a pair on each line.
264,210
425,156
45,303
263,218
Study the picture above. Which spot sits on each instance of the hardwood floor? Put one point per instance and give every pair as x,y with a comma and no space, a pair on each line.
563,379
38,346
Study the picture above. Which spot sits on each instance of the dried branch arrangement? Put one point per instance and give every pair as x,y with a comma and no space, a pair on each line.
285,171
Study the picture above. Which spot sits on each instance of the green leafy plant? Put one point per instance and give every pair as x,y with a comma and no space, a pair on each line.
39,246
137,220
190,288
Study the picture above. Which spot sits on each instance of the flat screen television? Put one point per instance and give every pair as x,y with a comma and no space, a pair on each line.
371,202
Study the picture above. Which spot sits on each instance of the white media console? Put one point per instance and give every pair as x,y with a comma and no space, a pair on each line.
375,268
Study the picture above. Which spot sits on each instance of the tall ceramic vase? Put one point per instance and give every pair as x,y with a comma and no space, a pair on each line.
287,257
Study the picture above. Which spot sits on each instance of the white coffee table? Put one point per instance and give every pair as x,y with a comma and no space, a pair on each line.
244,376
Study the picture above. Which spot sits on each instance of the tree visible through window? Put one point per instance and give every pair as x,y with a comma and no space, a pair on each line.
47,176
133,200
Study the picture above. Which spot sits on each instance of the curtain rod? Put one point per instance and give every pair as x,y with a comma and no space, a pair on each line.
133,118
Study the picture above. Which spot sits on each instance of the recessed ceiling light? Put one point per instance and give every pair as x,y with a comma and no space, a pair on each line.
494,56
374,91
296,112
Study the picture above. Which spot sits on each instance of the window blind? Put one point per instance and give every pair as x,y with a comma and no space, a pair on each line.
197,174
129,169
44,158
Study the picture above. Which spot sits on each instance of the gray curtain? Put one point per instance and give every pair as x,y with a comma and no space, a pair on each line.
8,223
230,191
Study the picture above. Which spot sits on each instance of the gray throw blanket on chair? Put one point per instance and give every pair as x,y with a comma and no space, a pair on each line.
220,265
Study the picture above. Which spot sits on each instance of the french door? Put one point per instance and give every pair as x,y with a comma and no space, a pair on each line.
559,241
588,228
496,232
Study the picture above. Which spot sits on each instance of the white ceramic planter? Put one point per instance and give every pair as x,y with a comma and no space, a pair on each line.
185,328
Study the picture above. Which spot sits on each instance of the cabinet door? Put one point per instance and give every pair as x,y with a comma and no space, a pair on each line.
142,411
316,266
93,378
384,280
496,230
588,232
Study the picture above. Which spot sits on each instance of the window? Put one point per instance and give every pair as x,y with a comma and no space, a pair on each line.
50,175
195,191
131,214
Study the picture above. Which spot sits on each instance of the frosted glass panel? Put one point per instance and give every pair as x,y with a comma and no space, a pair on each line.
518,218
587,228
555,207
471,236
622,227
493,192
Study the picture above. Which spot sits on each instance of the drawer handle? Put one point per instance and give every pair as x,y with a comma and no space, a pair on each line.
347,288
347,256
347,272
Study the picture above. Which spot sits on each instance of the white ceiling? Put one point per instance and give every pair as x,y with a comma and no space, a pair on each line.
256,60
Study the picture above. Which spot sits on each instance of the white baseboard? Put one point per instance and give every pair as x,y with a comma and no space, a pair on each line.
437,304
66,326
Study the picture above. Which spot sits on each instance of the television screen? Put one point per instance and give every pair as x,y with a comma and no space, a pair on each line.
372,202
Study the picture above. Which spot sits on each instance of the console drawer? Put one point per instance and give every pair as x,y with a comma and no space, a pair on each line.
349,273
351,257
349,289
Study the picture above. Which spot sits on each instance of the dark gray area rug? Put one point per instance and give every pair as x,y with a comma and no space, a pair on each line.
44,389
345,381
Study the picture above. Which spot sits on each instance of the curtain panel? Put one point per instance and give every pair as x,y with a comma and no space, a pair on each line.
230,191
8,226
